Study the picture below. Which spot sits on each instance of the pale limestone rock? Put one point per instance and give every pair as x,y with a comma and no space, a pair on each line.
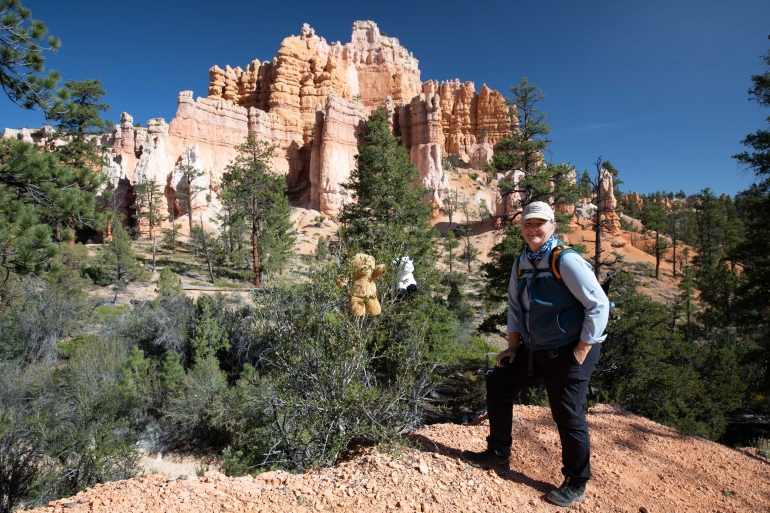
310,101
127,130
157,126
609,218
467,115
334,150
481,153
509,204
201,205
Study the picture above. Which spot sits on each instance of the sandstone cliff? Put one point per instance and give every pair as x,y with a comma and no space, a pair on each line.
311,101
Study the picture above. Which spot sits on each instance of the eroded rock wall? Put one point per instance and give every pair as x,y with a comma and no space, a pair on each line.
468,117
420,127
311,101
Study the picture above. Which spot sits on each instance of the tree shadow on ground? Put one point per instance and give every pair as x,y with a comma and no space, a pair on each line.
425,444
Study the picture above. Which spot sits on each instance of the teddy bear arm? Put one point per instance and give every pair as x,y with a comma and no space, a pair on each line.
378,271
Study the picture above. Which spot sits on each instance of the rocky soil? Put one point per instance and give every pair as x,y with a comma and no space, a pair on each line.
638,466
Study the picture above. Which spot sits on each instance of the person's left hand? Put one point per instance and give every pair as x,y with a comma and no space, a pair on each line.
581,351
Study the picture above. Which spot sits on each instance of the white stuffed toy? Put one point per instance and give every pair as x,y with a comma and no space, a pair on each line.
405,284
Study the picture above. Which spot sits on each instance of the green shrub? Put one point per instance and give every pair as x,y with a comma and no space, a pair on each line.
75,258
327,378
69,346
197,413
652,370
65,428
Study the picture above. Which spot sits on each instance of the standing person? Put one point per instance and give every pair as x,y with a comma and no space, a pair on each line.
555,331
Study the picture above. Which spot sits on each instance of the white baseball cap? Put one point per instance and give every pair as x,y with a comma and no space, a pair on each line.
539,210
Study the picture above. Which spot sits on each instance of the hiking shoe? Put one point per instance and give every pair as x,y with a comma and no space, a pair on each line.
567,494
488,459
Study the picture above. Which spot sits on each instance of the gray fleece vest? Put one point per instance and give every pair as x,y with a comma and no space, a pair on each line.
555,315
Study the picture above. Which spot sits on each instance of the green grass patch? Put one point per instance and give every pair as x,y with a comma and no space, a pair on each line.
105,314
475,351
228,285
67,348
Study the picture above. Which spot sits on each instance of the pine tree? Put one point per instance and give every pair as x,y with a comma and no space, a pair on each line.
168,285
149,207
759,159
171,372
687,297
654,218
586,187
38,196
525,149
21,57
497,274
204,243
450,206
255,194
208,336
469,252
76,115
388,217
119,260
188,190
171,234
450,243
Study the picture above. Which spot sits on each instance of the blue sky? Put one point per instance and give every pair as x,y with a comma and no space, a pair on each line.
657,87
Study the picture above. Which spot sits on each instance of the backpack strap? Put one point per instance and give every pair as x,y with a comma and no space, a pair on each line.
519,271
554,262
558,252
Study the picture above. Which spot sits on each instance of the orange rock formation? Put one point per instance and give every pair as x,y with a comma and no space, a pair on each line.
311,101
609,218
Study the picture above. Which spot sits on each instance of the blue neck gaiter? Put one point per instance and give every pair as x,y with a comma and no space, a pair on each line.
538,255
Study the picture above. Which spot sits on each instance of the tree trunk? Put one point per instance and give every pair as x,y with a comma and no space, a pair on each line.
598,227
188,200
255,216
204,238
657,255
153,253
673,260
189,216
255,256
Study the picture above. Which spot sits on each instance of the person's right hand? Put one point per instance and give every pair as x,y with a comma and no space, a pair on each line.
509,353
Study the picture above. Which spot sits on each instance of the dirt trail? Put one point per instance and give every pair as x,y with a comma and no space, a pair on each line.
638,466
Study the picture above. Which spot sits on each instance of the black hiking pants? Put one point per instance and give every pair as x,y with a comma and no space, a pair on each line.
566,382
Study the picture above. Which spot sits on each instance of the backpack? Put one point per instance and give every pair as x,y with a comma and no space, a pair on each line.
553,262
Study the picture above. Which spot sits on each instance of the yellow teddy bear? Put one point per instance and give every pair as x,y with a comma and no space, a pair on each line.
363,290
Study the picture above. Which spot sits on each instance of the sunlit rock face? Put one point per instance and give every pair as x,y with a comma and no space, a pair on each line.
310,101
607,203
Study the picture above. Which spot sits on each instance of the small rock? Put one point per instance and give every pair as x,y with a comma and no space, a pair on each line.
644,510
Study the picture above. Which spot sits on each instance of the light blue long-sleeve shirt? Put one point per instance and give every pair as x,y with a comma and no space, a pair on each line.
579,278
